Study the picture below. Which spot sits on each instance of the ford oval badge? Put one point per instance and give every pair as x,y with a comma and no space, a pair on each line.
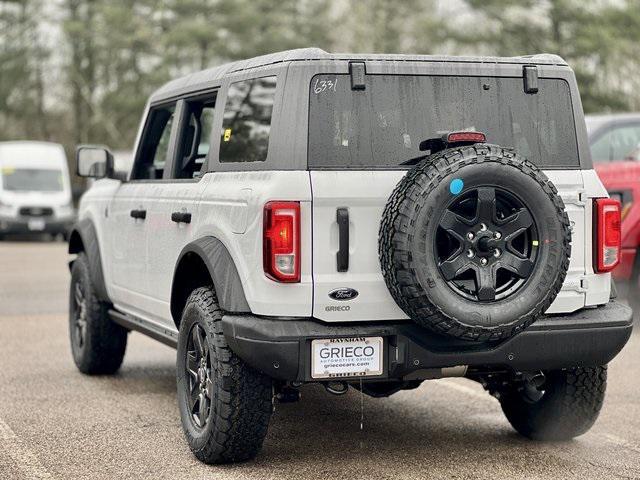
343,294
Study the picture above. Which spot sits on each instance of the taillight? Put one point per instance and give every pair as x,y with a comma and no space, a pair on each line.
607,224
281,241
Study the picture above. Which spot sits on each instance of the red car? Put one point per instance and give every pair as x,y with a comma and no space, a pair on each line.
615,149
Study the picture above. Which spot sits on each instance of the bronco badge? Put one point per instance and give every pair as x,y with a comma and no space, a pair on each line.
343,294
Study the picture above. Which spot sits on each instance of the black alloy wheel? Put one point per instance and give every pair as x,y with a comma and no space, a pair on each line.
474,243
200,386
97,343
79,316
487,243
225,405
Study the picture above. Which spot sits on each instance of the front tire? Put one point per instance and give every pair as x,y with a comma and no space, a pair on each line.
97,343
568,407
225,405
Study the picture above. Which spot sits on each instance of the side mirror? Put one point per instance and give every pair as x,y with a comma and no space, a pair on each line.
93,161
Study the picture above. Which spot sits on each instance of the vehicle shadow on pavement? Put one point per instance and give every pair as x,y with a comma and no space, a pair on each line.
142,380
423,428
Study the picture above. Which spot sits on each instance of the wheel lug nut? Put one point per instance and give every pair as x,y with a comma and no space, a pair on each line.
497,235
483,261
470,235
470,253
483,227
497,252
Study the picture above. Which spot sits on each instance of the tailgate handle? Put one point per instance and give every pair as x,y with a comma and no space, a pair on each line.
181,217
138,214
342,257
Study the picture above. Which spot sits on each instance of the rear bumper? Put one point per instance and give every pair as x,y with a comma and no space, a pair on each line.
21,226
281,348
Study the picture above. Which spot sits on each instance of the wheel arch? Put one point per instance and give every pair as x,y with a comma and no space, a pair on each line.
203,262
84,238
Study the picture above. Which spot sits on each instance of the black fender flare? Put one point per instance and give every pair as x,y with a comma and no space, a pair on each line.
221,269
83,238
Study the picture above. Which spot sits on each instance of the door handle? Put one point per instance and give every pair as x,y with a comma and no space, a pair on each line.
181,217
342,257
141,214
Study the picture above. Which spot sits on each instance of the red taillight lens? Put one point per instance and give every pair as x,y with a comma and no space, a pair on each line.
607,224
281,242
476,137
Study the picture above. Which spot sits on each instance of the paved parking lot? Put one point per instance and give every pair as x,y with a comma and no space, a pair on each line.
56,423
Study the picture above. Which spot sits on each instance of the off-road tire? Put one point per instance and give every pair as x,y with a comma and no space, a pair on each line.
569,407
412,277
241,404
104,343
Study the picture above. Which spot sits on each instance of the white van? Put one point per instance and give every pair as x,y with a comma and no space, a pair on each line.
35,191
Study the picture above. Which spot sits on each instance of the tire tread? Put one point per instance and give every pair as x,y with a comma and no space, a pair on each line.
396,229
570,409
243,396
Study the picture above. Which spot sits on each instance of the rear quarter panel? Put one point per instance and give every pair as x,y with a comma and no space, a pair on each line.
231,209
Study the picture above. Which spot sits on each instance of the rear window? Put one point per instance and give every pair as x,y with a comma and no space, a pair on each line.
383,125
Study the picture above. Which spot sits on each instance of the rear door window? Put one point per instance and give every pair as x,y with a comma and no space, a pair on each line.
382,126
195,138
247,120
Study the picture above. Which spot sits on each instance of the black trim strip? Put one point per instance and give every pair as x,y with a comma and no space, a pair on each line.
163,335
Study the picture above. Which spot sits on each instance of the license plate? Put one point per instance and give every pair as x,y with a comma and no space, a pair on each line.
36,224
346,357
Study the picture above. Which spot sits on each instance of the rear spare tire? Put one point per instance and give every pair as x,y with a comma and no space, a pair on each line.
475,243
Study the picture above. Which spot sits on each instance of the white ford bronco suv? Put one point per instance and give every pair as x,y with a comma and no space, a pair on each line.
370,221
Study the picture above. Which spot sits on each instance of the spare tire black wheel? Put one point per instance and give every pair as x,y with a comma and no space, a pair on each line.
475,243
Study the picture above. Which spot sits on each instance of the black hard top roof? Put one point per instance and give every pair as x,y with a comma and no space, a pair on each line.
212,75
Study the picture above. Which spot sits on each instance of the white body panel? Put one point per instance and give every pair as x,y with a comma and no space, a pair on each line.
365,194
140,256
232,209
35,155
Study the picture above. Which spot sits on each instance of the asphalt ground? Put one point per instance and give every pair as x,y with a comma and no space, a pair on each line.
56,423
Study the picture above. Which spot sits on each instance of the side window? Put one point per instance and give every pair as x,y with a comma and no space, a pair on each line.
195,138
154,147
247,120
620,143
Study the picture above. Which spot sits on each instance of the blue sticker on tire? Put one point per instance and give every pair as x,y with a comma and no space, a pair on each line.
456,186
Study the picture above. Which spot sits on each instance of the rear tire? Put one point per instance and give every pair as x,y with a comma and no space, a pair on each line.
225,405
568,408
97,343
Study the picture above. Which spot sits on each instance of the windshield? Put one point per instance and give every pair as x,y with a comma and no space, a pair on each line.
383,125
31,179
